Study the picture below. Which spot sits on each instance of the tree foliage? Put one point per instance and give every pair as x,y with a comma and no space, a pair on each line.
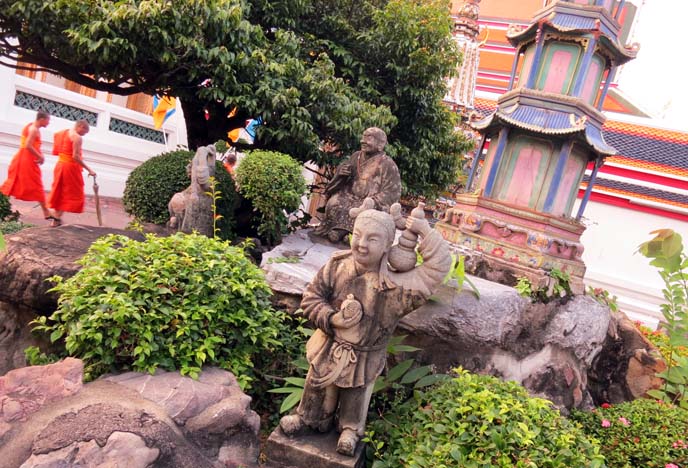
316,71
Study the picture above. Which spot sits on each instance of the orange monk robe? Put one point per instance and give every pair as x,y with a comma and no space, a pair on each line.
67,192
24,180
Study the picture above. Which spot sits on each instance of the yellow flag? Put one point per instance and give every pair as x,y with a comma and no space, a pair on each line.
162,108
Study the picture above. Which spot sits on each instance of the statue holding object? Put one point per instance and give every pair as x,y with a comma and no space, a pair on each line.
191,210
368,173
356,301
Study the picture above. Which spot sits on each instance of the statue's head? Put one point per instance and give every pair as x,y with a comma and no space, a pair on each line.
372,237
373,141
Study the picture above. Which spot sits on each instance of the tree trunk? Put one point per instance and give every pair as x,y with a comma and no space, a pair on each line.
207,128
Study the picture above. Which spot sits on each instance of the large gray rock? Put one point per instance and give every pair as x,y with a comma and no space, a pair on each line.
16,336
213,411
137,420
547,348
35,254
626,367
121,449
290,266
24,391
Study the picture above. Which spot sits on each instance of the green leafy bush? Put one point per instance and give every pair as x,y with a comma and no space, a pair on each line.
274,184
666,253
477,421
640,433
151,185
177,302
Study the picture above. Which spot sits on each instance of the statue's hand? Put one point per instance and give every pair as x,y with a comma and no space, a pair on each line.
418,226
345,169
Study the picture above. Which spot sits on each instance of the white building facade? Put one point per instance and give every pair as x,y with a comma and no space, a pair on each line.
121,136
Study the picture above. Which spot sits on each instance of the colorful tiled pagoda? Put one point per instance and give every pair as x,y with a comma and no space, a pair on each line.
545,131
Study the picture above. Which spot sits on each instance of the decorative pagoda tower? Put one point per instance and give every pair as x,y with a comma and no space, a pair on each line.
461,88
546,130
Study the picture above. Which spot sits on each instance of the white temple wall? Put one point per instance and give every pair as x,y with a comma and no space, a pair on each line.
611,241
111,154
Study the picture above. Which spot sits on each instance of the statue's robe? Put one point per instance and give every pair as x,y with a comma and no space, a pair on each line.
67,192
376,177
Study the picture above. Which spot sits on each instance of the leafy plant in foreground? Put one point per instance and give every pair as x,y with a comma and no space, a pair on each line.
666,252
177,302
640,433
476,421
661,341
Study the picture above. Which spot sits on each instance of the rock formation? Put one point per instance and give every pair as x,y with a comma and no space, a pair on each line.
132,420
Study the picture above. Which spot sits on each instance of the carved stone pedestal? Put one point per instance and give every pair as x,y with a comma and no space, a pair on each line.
310,450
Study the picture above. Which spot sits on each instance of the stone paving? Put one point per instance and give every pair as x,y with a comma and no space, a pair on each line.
112,212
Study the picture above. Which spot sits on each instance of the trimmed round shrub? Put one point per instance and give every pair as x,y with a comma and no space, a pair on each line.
476,421
151,185
273,183
639,433
175,303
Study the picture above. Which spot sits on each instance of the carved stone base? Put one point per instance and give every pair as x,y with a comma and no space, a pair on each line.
310,450
514,241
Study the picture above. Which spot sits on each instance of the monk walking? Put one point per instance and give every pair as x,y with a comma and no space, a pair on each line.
67,193
24,179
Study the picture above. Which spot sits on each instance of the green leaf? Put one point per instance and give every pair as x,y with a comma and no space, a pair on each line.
298,381
380,384
404,349
285,390
431,380
416,374
56,335
291,401
397,371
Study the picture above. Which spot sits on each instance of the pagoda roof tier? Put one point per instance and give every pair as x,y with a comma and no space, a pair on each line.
565,17
549,114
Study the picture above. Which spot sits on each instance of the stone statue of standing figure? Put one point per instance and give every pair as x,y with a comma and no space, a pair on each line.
356,301
192,209
368,173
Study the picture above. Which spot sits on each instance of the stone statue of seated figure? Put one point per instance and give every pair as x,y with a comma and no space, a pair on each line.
356,301
368,173
191,209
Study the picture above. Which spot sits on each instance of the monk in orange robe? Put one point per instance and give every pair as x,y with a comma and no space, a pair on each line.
24,179
67,193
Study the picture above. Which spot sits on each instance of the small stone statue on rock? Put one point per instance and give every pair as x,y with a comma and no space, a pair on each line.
191,210
368,173
356,301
